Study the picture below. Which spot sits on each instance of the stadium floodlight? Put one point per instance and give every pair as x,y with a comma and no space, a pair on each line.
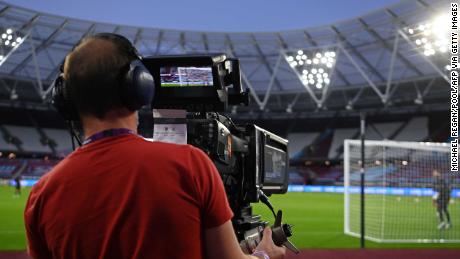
432,37
418,101
13,95
313,67
349,106
10,40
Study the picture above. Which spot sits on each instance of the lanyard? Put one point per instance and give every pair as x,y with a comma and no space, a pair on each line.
108,133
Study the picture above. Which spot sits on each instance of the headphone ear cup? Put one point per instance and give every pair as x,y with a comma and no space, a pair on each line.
139,87
61,101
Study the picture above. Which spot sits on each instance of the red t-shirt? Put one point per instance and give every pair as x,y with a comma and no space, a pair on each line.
126,197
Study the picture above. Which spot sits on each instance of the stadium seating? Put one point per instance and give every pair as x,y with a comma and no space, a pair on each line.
415,130
301,144
62,139
298,141
296,178
5,146
381,131
327,144
31,168
37,168
8,168
30,139
318,175
337,142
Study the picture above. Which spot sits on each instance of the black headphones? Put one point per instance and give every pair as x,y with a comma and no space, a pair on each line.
137,86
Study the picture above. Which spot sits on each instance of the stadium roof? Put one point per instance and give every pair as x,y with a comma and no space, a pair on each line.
377,64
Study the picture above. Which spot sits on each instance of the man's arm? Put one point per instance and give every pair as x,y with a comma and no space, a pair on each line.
221,243
36,246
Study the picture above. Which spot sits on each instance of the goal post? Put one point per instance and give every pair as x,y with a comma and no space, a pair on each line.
410,193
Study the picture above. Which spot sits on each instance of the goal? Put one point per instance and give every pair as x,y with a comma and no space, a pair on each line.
403,194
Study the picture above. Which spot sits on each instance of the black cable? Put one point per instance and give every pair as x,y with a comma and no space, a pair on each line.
73,140
73,134
264,199
76,135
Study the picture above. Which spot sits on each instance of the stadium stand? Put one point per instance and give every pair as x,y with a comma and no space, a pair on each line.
337,142
303,146
381,131
296,178
30,139
298,141
7,168
6,142
415,130
30,168
313,145
327,175
61,138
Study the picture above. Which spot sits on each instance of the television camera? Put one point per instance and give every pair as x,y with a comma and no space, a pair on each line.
252,162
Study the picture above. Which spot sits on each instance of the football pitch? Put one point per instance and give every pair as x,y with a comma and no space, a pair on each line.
317,220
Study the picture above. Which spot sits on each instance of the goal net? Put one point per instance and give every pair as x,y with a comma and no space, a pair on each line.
410,193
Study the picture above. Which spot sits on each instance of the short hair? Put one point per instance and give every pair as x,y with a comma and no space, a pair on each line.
93,73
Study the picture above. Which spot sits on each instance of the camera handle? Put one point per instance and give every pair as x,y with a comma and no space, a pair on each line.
280,231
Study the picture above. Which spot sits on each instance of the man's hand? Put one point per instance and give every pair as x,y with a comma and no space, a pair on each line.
267,245
221,243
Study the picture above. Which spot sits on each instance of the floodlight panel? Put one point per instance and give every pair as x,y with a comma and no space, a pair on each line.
313,67
432,37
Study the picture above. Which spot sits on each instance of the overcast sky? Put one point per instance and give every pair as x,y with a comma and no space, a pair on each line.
210,15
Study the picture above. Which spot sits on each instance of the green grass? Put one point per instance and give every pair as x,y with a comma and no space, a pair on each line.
394,217
12,233
317,220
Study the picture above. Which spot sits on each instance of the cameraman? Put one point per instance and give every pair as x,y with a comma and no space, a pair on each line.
120,196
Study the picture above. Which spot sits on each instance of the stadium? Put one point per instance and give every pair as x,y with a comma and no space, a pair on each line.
365,103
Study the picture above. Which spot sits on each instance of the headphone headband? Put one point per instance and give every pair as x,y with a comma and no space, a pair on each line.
136,86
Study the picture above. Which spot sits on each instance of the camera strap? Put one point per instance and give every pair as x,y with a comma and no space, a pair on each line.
108,133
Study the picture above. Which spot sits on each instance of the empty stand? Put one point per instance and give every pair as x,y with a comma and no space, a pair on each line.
339,136
30,139
5,146
415,130
381,131
62,139
298,141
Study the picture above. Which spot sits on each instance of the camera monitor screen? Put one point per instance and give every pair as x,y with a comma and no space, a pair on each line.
186,76
275,165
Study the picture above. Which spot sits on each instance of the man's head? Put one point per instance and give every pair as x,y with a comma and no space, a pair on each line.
94,73
436,173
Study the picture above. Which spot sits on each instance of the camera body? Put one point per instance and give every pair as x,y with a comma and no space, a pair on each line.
251,161
248,158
